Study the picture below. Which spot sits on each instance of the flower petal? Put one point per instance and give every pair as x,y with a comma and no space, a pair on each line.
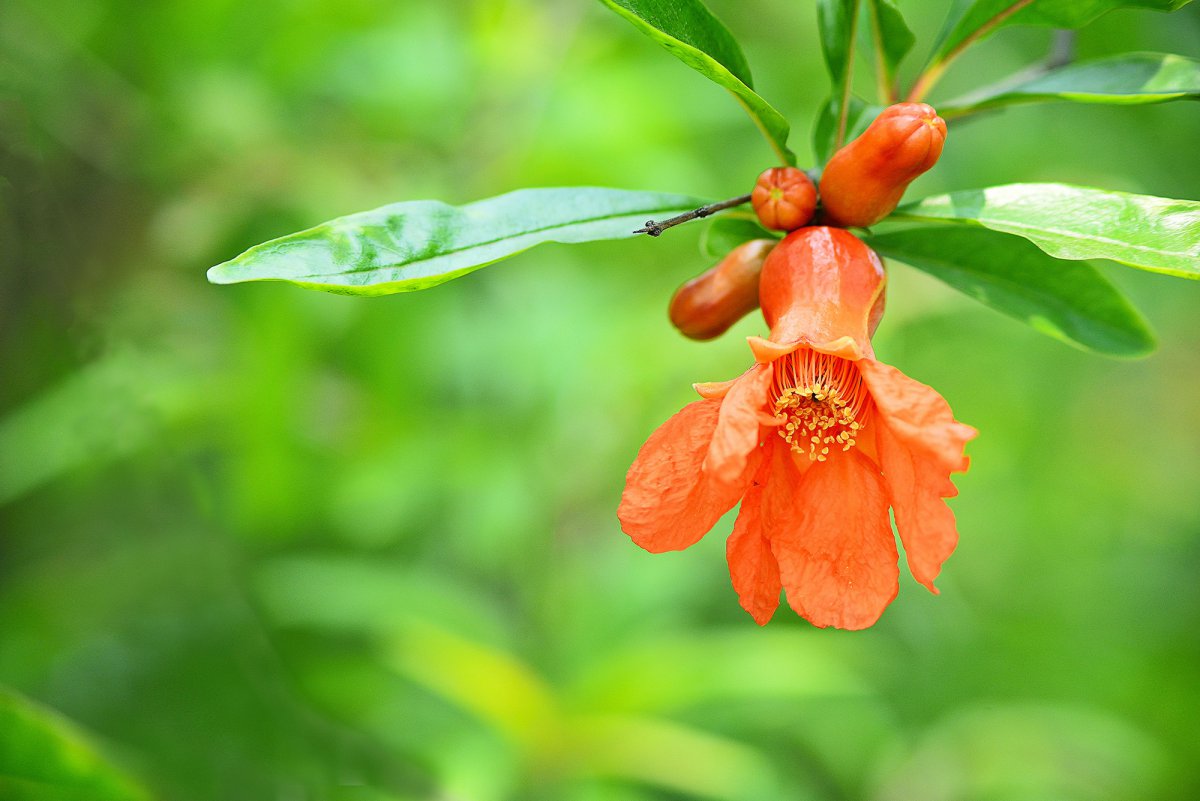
830,531
917,415
668,503
752,566
736,434
917,485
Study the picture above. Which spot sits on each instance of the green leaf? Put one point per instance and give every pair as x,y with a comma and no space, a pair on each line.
1069,300
422,243
838,21
860,114
1126,79
44,758
971,19
1074,222
893,38
692,34
726,232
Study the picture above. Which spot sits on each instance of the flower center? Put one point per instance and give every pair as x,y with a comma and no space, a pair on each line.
820,401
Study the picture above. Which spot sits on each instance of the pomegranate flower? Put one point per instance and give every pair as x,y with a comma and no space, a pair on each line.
816,440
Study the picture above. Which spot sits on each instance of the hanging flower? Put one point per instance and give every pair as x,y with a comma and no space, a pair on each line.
816,440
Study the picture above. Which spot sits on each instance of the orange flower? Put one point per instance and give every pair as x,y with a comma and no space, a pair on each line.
817,440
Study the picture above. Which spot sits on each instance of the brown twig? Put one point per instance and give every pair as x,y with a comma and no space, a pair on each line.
656,228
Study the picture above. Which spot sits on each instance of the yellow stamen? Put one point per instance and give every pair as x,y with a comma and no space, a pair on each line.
820,401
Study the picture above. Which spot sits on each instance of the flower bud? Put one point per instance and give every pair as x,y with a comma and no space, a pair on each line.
864,180
784,198
706,306
821,284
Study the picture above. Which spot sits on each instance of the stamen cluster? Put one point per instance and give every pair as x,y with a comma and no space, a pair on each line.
819,402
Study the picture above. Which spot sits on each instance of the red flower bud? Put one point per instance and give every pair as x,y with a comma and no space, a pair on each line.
821,284
784,198
706,306
864,180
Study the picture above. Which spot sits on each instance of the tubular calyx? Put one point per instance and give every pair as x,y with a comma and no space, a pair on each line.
865,180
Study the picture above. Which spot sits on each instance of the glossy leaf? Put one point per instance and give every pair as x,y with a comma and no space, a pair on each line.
892,36
1126,79
838,21
692,34
725,233
859,115
422,243
970,19
1074,222
44,758
1069,300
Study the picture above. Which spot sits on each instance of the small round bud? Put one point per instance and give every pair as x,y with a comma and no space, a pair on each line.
706,306
784,198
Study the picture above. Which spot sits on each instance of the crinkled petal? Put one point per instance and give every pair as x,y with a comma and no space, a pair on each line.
668,503
916,485
829,528
736,434
917,415
752,565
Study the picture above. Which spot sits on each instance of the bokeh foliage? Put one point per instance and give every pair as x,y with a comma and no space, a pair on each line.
263,543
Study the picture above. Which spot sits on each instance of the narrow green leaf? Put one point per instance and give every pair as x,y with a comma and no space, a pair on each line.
692,34
893,38
44,758
726,232
1073,222
838,21
970,19
859,115
422,243
1126,79
1068,300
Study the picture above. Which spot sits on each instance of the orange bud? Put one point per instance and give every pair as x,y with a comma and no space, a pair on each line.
784,198
864,180
706,306
821,284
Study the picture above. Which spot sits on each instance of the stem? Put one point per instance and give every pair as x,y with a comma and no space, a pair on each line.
656,228
930,75
846,87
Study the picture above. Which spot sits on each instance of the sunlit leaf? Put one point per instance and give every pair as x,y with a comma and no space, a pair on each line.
970,19
44,758
692,34
1069,300
1072,222
1126,79
422,243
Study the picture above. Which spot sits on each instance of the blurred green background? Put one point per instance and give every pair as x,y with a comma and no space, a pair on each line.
262,543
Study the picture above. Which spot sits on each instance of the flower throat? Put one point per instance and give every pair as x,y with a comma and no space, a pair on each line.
820,402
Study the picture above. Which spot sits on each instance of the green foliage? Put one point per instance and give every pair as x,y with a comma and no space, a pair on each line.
1070,301
689,31
422,243
728,231
859,115
44,758
838,24
1073,222
1127,79
892,37
972,18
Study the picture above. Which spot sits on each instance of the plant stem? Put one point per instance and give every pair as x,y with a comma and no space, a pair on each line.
884,82
656,228
930,75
